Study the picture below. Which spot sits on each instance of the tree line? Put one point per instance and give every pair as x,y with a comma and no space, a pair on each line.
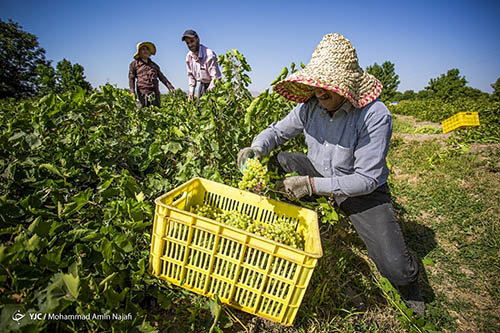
25,71
447,87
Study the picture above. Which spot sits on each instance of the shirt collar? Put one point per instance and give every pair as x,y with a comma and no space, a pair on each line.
345,107
201,52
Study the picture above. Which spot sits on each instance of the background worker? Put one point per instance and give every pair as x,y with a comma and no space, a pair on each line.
202,67
145,73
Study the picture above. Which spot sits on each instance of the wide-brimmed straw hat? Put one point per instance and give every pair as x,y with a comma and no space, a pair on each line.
149,45
333,66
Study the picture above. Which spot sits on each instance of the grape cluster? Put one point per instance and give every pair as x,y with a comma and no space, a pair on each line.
281,231
254,175
207,211
235,219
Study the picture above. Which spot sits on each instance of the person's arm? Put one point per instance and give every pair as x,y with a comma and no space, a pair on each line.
165,81
280,132
132,74
213,70
369,159
191,78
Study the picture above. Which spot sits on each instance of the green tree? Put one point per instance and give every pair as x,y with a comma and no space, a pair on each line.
46,79
425,94
495,96
62,78
387,75
20,55
449,86
409,94
474,93
69,76
398,96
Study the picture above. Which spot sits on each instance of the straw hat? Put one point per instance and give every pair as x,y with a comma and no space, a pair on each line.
333,66
149,45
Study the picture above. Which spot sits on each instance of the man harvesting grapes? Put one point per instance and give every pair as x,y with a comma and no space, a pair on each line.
146,73
347,131
201,62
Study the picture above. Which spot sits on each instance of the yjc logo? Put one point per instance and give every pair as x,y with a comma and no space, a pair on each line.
17,316
36,316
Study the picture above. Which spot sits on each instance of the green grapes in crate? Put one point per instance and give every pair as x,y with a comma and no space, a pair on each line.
207,211
235,219
281,230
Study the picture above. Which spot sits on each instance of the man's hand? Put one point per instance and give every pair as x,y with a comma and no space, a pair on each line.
191,97
245,153
295,187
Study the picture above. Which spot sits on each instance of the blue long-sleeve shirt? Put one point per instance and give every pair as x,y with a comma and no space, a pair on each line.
348,149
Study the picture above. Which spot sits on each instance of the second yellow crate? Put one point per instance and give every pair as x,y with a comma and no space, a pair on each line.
246,271
460,120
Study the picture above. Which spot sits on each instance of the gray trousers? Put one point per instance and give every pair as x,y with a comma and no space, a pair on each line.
373,218
201,89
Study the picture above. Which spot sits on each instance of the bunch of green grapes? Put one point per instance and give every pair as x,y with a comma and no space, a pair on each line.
254,175
284,232
280,231
258,228
235,219
207,211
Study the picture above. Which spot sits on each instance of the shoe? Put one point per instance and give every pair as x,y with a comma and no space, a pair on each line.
412,297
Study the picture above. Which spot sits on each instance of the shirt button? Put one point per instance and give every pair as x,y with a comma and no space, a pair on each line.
331,120
326,168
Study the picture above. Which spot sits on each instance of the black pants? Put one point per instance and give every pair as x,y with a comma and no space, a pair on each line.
373,218
149,99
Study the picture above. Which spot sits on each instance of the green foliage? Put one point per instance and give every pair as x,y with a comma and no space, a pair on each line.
46,79
387,75
444,191
425,94
79,173
436,110
20,55
70,76
407,127
474,93
234,69
449,86
24,70
496,91
408,95
409,321
64,78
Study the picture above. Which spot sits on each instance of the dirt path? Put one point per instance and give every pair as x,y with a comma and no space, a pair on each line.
417,123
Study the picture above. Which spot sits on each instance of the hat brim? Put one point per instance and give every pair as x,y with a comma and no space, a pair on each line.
188,36
300,88
149,45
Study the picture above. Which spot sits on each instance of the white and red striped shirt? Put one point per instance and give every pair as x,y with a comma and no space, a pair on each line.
202,68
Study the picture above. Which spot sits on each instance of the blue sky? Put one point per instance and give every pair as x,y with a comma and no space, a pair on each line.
422,38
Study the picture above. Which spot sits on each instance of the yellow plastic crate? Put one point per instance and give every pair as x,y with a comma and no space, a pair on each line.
246,271
460,120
